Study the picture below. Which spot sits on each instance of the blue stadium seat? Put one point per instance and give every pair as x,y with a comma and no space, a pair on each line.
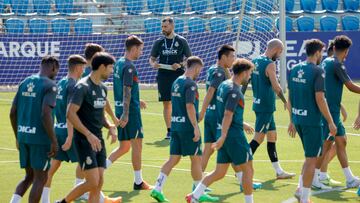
248,6
266,6
14,25
263,24
19,7
305,24
64,7
218,24
152,25
289,24
196,24
328,23
115,8
351,5
245,26
177,6
42,7
134,7
309,6
331,6
83,26
289,7
4,4
60,26
350,23
222,6
38,25
156,6
179,25
198,6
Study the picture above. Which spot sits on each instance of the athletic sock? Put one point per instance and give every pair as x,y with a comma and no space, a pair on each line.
168,130
138,177
323,175
108,163
239,176
160,182
316,175
102,197
15,198
249,198
271,148
45,196
199,190
305,194
254,145
78,181
300,183
277,167
348,174
196,183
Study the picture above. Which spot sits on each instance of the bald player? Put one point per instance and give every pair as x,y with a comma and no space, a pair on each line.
265,86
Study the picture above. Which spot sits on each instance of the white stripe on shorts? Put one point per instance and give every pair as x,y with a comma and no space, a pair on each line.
46,164
137,134
318,155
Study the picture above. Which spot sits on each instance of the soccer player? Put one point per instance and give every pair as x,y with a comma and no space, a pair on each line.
90,50
86,114
33,126
185,132
127,109
307,103
231,143
336,77
64,129
265,85
171,50
216,74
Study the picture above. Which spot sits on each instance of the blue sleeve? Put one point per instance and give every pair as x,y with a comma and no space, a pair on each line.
340,72
50,95
232,100
190,92
128,75
319,80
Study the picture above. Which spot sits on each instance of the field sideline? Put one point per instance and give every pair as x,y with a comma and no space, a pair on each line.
119,177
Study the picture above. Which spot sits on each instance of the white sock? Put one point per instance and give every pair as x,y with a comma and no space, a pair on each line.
102,197
277,167
199,190
348,174
160,182
239,176
305,194
300,184
108,163
15,198
138,177
45,196
249,198
323,175
196,182
78,181
316,175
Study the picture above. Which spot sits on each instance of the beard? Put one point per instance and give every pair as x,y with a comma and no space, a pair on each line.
166,33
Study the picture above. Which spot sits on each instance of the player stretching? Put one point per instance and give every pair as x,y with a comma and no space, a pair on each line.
127,109
231,143
32,123
336,77
64,129
265,86
86,114
307,103
185,133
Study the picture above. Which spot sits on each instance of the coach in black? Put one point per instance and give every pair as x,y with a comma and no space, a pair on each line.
172,50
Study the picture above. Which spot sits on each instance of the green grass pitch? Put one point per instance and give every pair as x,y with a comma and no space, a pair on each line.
119,177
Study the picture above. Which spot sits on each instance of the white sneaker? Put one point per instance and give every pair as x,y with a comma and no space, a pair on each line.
354,183
285,175
297,194
320,186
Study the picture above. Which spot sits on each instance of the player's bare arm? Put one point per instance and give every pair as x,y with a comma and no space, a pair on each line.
126,104
71,114
271,73
48,123
191,112
343,112
208,97
111,113
324,109
248,128
352,87
112,130
70,134
226,122
291,128
13,120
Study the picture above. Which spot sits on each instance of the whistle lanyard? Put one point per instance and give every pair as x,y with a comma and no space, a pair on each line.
171,47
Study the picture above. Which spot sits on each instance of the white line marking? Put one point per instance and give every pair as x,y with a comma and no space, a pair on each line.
7,149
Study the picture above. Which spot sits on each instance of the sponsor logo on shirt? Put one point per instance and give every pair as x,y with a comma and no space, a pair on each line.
169,52
178,119
299,78
119,103
219,127
29,92
212,107
99,103
299,112
26,129
103,93
60,125
256,100
219,99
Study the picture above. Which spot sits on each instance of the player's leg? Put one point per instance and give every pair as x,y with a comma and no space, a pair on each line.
247,179
94,194
316,181
208,151
40,177
165,82
123,148
23,186
136,147
167,108
324,176
209,138
196,171
55,165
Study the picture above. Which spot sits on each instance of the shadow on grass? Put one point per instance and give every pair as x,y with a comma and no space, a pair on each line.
337,196
159,143
126,195
269,185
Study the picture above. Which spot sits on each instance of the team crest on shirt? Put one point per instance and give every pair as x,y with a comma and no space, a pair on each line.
103,93
219,74
93,93
54,89
323,75
88,160
300,73
30,89
130,70
343,67
233,95
193,88
176,44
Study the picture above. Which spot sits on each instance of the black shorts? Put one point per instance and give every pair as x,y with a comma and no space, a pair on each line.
165,81
88,158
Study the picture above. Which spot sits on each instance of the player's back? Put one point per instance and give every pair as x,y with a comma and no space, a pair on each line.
29,103
179,117
212,72
120,67
302,94
263,94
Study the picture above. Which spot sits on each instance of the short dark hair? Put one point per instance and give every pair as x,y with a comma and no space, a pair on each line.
50,62
330,49
241,65
168,19
193,60
75,60
225,50
312,46
101,58
91,49
131,41
342,42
